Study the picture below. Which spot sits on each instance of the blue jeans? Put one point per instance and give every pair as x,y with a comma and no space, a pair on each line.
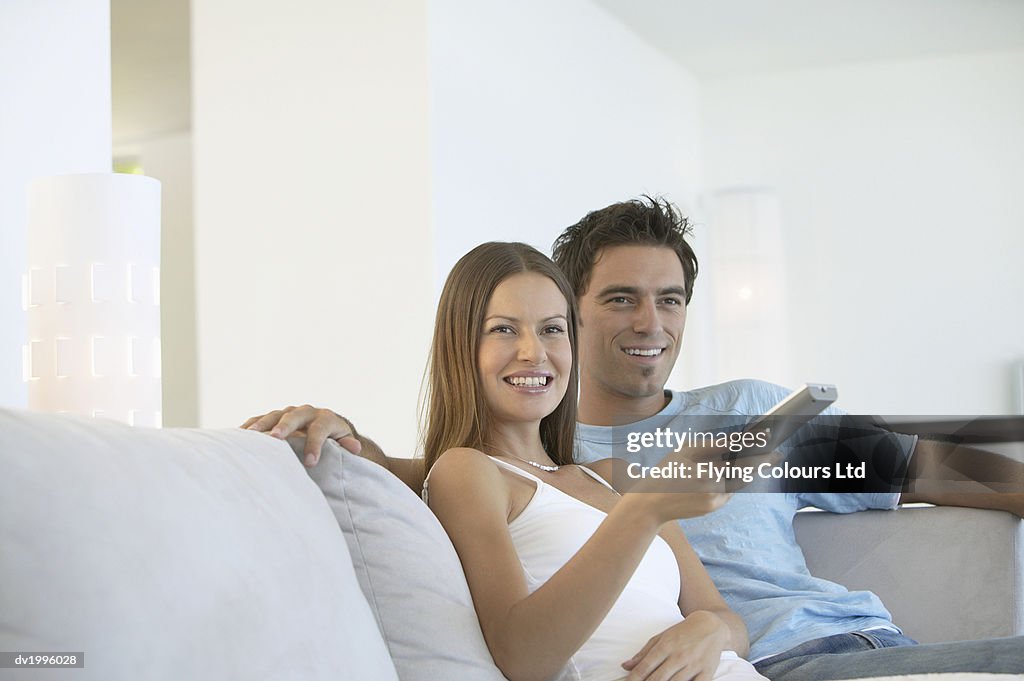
880,652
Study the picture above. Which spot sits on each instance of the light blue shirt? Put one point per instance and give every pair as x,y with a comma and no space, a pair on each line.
748,546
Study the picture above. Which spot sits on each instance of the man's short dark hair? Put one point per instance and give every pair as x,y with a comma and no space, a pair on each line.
644,221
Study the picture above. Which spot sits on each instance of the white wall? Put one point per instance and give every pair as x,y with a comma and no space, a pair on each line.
168,158
54,119
541,112
346,157
310,127
899,185
328,142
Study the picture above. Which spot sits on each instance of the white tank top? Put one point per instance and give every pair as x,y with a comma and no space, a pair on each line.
549,531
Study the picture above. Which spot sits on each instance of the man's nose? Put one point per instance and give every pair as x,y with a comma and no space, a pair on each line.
645,317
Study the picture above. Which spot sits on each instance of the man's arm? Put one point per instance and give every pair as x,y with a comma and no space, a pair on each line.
409,471
320,425
948,474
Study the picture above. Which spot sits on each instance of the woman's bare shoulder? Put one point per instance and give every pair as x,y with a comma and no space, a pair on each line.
459,458
468,494
464,468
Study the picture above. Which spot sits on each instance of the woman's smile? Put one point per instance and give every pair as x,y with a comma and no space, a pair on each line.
530,382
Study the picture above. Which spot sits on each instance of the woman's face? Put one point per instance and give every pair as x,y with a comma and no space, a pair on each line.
525,357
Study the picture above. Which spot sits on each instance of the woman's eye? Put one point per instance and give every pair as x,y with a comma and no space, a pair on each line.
501,329
554,329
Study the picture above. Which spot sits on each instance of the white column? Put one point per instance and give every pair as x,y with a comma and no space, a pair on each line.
312,208
54,118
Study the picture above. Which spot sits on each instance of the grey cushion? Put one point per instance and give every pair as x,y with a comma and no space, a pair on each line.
945,573
408,570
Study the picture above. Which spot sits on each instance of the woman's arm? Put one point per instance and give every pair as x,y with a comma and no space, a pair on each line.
710,625
531,636
696,643
698,594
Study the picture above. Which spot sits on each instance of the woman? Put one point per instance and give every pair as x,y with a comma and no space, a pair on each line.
565,573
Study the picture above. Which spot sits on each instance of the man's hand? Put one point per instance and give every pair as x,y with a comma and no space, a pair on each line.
318,425
687,651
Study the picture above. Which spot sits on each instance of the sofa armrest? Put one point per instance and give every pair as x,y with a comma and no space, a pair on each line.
945,573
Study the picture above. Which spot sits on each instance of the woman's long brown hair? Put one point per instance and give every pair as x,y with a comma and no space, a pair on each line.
456,414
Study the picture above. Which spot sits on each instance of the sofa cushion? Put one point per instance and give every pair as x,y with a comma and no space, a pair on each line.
408,570
174,554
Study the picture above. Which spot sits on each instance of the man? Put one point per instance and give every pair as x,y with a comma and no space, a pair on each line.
633,274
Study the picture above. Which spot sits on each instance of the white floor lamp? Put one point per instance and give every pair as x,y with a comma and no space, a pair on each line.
747,270
92,297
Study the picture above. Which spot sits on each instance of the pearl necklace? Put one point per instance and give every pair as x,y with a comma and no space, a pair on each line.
543,467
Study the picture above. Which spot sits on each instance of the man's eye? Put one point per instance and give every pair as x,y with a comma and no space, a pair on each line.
619,300
672,301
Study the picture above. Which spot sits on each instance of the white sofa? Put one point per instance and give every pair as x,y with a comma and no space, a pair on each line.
212,554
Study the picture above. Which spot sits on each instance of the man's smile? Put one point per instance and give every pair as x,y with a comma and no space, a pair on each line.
644,353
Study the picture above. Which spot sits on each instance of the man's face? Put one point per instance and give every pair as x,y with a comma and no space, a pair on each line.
631,320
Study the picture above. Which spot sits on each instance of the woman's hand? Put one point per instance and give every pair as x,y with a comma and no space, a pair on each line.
688,651
318,424
691,481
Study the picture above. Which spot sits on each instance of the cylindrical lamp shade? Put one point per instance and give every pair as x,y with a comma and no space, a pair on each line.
750,310
92,296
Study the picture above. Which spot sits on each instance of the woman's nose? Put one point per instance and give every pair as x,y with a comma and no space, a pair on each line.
531,349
